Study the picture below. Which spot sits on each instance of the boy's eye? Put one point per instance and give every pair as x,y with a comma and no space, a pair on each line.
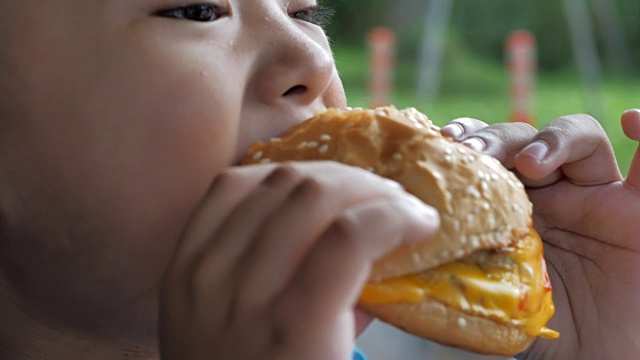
316,14
195,12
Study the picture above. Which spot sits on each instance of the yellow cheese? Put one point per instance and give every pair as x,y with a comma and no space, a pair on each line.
509,286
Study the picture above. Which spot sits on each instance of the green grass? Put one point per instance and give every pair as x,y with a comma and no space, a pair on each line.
479,89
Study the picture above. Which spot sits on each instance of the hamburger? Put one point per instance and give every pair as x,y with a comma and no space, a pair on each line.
480,283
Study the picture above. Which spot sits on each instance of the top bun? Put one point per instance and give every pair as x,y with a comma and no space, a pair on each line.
481,204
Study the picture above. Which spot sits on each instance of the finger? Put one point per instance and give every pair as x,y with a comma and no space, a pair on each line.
177,289
332,275
284,243
227,190
502,141
577,145
631,128
199,282
236,235
460,128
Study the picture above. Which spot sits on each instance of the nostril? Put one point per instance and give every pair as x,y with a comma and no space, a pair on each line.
298,89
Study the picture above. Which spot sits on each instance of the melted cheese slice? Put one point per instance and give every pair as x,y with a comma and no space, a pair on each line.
509,286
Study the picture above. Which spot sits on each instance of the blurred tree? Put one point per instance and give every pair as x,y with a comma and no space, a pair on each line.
354,18
482,26
612,34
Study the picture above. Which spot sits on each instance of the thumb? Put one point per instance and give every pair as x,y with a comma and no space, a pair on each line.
631,127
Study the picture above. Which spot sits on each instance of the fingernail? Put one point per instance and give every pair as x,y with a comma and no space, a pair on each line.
537,150
475,144
453,130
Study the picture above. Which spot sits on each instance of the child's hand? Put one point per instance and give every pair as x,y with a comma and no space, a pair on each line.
589,218
272,263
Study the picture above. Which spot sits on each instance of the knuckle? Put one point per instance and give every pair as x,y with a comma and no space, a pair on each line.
575,122
344,232
309,189
283,173
524,128
223,180
511,131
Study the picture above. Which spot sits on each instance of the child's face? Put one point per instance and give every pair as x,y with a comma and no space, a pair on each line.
114,122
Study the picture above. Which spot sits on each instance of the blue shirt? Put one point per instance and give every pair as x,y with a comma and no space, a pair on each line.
358,355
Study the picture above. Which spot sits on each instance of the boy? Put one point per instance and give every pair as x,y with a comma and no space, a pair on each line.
123,216
117,115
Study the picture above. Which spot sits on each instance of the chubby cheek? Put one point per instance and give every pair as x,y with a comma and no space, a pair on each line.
126,165
172,140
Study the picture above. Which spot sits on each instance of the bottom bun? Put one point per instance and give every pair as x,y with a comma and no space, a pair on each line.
435,321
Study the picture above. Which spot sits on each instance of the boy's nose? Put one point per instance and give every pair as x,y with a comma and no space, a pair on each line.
293,67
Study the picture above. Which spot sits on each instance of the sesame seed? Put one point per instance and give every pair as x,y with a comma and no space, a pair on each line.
470,218
325,137
257,155
473,192
312,144
448,197
484,186
456,225
475,241
462,322
265,161
323,149
397,156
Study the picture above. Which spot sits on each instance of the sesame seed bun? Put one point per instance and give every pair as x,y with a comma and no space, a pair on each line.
482,207
481,204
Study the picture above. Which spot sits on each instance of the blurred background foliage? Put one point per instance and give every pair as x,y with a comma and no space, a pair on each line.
474,79
481,26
